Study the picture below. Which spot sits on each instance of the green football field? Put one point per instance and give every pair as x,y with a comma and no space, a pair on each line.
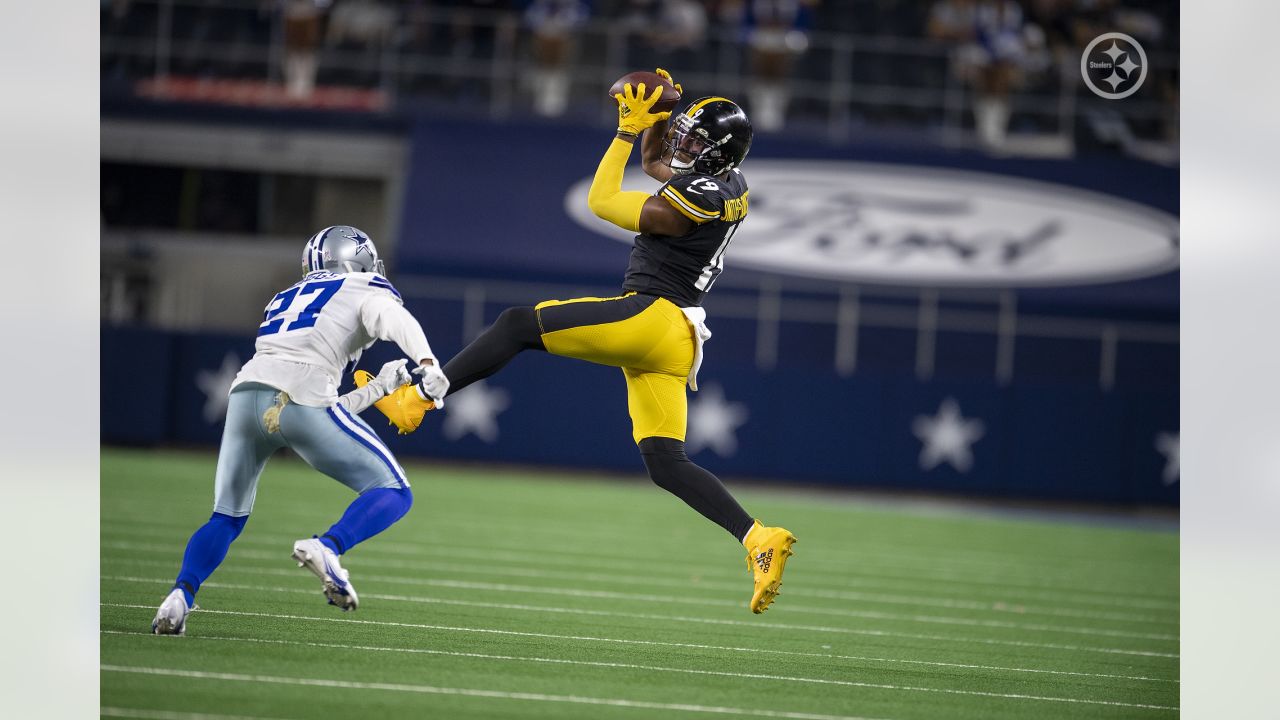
524,594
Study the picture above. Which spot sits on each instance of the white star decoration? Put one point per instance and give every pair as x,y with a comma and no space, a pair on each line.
1113,52
215,384
1128,66
1168,445
947,436
475,411
713,422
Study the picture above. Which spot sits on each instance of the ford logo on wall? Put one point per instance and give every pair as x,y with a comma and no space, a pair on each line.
911,225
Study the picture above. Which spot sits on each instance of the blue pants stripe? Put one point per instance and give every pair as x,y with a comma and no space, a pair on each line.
343,420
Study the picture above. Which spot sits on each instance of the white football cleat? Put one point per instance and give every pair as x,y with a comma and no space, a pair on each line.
171,618
313,555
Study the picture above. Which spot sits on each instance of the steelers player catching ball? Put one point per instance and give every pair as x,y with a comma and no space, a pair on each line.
655,329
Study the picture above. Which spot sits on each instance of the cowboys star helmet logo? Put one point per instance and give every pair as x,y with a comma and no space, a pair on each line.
362,245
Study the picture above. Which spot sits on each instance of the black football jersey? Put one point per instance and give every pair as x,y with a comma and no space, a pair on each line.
682,269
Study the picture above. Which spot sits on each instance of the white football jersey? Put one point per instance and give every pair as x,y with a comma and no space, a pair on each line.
312,331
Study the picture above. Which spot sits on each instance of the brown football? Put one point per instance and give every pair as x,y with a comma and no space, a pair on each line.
670,97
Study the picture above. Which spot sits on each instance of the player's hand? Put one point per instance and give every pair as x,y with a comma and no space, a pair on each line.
667,76
433,384
393,375
633,109
404,406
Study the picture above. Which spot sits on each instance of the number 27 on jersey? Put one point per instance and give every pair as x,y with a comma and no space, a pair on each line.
283,304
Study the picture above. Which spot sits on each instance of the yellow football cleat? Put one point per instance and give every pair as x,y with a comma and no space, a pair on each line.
404,407
767,551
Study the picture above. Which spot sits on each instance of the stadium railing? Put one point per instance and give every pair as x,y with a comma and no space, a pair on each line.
479,61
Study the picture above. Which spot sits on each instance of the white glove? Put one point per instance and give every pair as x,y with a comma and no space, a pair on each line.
392,375
434,384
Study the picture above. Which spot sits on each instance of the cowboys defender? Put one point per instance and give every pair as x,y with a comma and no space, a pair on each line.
286,396
654,331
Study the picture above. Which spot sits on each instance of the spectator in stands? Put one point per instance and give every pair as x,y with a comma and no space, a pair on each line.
360,30
475,29
554,24
990,45
672,32
776,35
301,42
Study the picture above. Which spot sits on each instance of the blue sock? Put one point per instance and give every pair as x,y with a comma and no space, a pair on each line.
371,513
205,552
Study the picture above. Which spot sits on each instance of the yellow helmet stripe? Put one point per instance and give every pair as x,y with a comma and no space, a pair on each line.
700,105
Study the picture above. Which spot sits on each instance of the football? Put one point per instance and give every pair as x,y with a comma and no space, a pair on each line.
670,96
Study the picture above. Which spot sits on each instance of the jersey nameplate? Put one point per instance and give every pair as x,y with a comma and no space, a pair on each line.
735,209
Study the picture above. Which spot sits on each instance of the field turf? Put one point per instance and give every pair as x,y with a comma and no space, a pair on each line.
514,594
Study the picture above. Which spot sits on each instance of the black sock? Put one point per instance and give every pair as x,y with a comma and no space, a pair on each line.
672,470
516,329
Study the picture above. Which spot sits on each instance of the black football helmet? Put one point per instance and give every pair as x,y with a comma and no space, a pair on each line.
710,137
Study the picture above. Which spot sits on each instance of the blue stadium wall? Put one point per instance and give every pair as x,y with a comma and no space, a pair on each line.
1039,439
480,208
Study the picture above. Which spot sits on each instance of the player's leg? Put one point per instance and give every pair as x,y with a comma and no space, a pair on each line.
652,341
342,446
627,331
515,331
241,457
612,331
659,410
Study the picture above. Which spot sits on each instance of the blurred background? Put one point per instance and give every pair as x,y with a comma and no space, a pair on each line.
959,275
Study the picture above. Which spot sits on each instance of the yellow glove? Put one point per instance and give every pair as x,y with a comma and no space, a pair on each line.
633,109
404,407
667,76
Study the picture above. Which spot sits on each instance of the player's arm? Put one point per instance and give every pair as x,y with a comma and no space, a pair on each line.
651,143
632,210
651,147
386,319
389,378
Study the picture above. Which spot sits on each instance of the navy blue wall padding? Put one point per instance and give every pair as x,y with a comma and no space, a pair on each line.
1046,436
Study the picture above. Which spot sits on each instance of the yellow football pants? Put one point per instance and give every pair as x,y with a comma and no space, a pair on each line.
647,336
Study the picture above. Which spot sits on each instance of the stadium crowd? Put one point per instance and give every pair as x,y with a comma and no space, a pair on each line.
785,53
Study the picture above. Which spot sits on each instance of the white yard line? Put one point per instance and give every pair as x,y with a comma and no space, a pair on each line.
677,618
470,692
855,577
142,714
709,602
651,643
1003,608
762,676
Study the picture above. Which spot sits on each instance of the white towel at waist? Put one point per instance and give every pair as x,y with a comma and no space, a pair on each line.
697,318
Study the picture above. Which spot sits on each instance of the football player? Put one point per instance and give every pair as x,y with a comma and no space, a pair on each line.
286,396
654,330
